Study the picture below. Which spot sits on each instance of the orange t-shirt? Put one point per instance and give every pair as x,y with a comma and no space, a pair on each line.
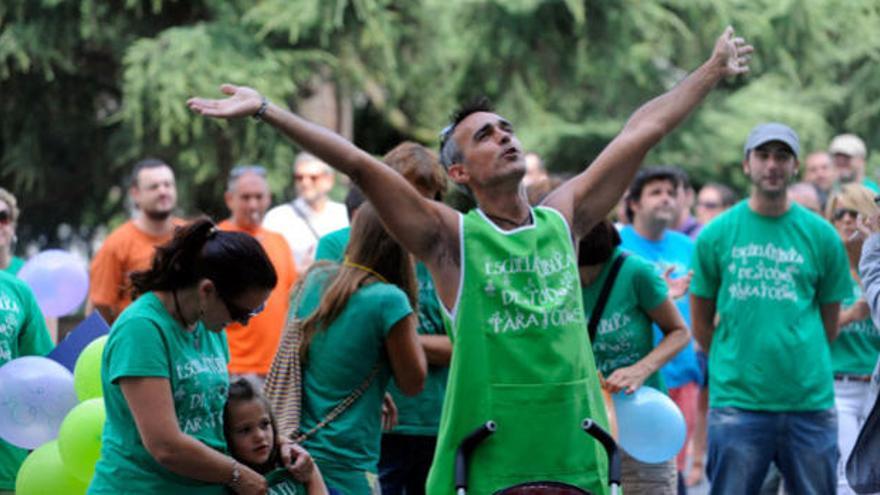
252,348
127,249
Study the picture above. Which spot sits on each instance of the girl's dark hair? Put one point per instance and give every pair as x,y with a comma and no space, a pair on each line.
369,246
242,390
598,245
234,261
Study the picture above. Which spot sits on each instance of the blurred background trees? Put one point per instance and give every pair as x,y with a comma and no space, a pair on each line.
87,87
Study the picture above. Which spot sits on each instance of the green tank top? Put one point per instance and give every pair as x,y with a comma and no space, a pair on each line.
521,357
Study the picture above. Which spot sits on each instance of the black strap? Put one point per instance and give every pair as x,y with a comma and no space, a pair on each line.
593,325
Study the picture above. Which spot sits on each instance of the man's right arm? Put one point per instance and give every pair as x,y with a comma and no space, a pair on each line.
702,320
424,227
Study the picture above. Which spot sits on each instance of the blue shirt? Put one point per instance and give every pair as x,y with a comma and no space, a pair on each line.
673,249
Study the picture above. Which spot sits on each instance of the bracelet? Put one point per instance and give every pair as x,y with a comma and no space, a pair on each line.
264,105
236,475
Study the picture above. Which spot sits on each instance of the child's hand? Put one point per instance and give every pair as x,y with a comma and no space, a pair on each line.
297,460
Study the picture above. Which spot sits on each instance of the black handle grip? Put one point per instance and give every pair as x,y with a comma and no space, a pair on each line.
465,448
596,431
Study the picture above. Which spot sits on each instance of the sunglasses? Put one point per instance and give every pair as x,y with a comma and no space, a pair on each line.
709,205
239,170
5,217
842,212
242,315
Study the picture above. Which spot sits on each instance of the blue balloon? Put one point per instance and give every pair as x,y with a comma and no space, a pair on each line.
36,393
650,426
59,281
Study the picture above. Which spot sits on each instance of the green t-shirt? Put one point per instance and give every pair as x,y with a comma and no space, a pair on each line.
420,414
625,334
147,341
280,483
22,333
769,276
855,350
340,358
331,247
15,265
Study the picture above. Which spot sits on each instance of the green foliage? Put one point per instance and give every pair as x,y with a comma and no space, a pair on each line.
91,86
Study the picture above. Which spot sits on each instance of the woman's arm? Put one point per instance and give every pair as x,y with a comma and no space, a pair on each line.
438,349
152,407
408,360
675,338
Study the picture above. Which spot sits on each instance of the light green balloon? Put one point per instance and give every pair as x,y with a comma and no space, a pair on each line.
43,472
87,371
79,439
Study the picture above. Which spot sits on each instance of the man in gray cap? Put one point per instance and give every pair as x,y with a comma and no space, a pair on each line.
775,274
848,152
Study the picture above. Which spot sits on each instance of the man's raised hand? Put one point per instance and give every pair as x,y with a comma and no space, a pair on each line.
242,102
732,53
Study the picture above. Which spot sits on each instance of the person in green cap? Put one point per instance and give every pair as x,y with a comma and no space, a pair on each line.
506,274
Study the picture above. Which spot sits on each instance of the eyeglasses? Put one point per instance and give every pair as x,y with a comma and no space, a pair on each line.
303,177
5,217
239,314
842,212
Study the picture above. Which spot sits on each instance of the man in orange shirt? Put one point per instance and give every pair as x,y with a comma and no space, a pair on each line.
130,247
252,347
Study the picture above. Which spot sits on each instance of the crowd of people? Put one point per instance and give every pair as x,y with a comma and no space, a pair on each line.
415,323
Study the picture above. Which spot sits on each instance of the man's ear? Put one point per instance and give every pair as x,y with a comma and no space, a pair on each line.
746,165
227,197
206,287
457,173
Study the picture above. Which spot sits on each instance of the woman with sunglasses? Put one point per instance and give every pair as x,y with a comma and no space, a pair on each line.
8,217
359,330
855,351
164,367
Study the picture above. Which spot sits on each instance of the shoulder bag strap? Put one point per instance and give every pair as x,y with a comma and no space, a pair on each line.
342,406
596,315
305,219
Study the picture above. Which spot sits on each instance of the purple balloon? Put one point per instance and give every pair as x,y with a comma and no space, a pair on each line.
59,281
36,393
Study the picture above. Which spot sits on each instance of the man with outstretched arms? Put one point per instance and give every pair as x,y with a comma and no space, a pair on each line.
507,274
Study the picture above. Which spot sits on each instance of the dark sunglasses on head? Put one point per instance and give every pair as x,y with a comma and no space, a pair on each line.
5,217
842,212
242,315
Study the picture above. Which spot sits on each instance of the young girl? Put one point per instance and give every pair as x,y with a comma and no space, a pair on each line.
250,434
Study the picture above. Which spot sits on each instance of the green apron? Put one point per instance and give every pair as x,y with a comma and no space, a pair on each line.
521,357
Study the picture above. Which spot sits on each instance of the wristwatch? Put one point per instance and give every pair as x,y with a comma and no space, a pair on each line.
264,105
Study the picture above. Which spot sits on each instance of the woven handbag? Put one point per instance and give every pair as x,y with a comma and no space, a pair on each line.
283,387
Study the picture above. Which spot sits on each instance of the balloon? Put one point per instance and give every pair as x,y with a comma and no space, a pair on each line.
35,395
79,439
58,279
651,426
42,472
87,372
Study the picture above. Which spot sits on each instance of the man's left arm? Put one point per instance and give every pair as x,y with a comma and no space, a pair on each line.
589,196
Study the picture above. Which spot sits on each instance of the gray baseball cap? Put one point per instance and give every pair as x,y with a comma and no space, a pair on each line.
773,131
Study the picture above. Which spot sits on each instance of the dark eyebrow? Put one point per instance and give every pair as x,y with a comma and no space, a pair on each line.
505,124
482,130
